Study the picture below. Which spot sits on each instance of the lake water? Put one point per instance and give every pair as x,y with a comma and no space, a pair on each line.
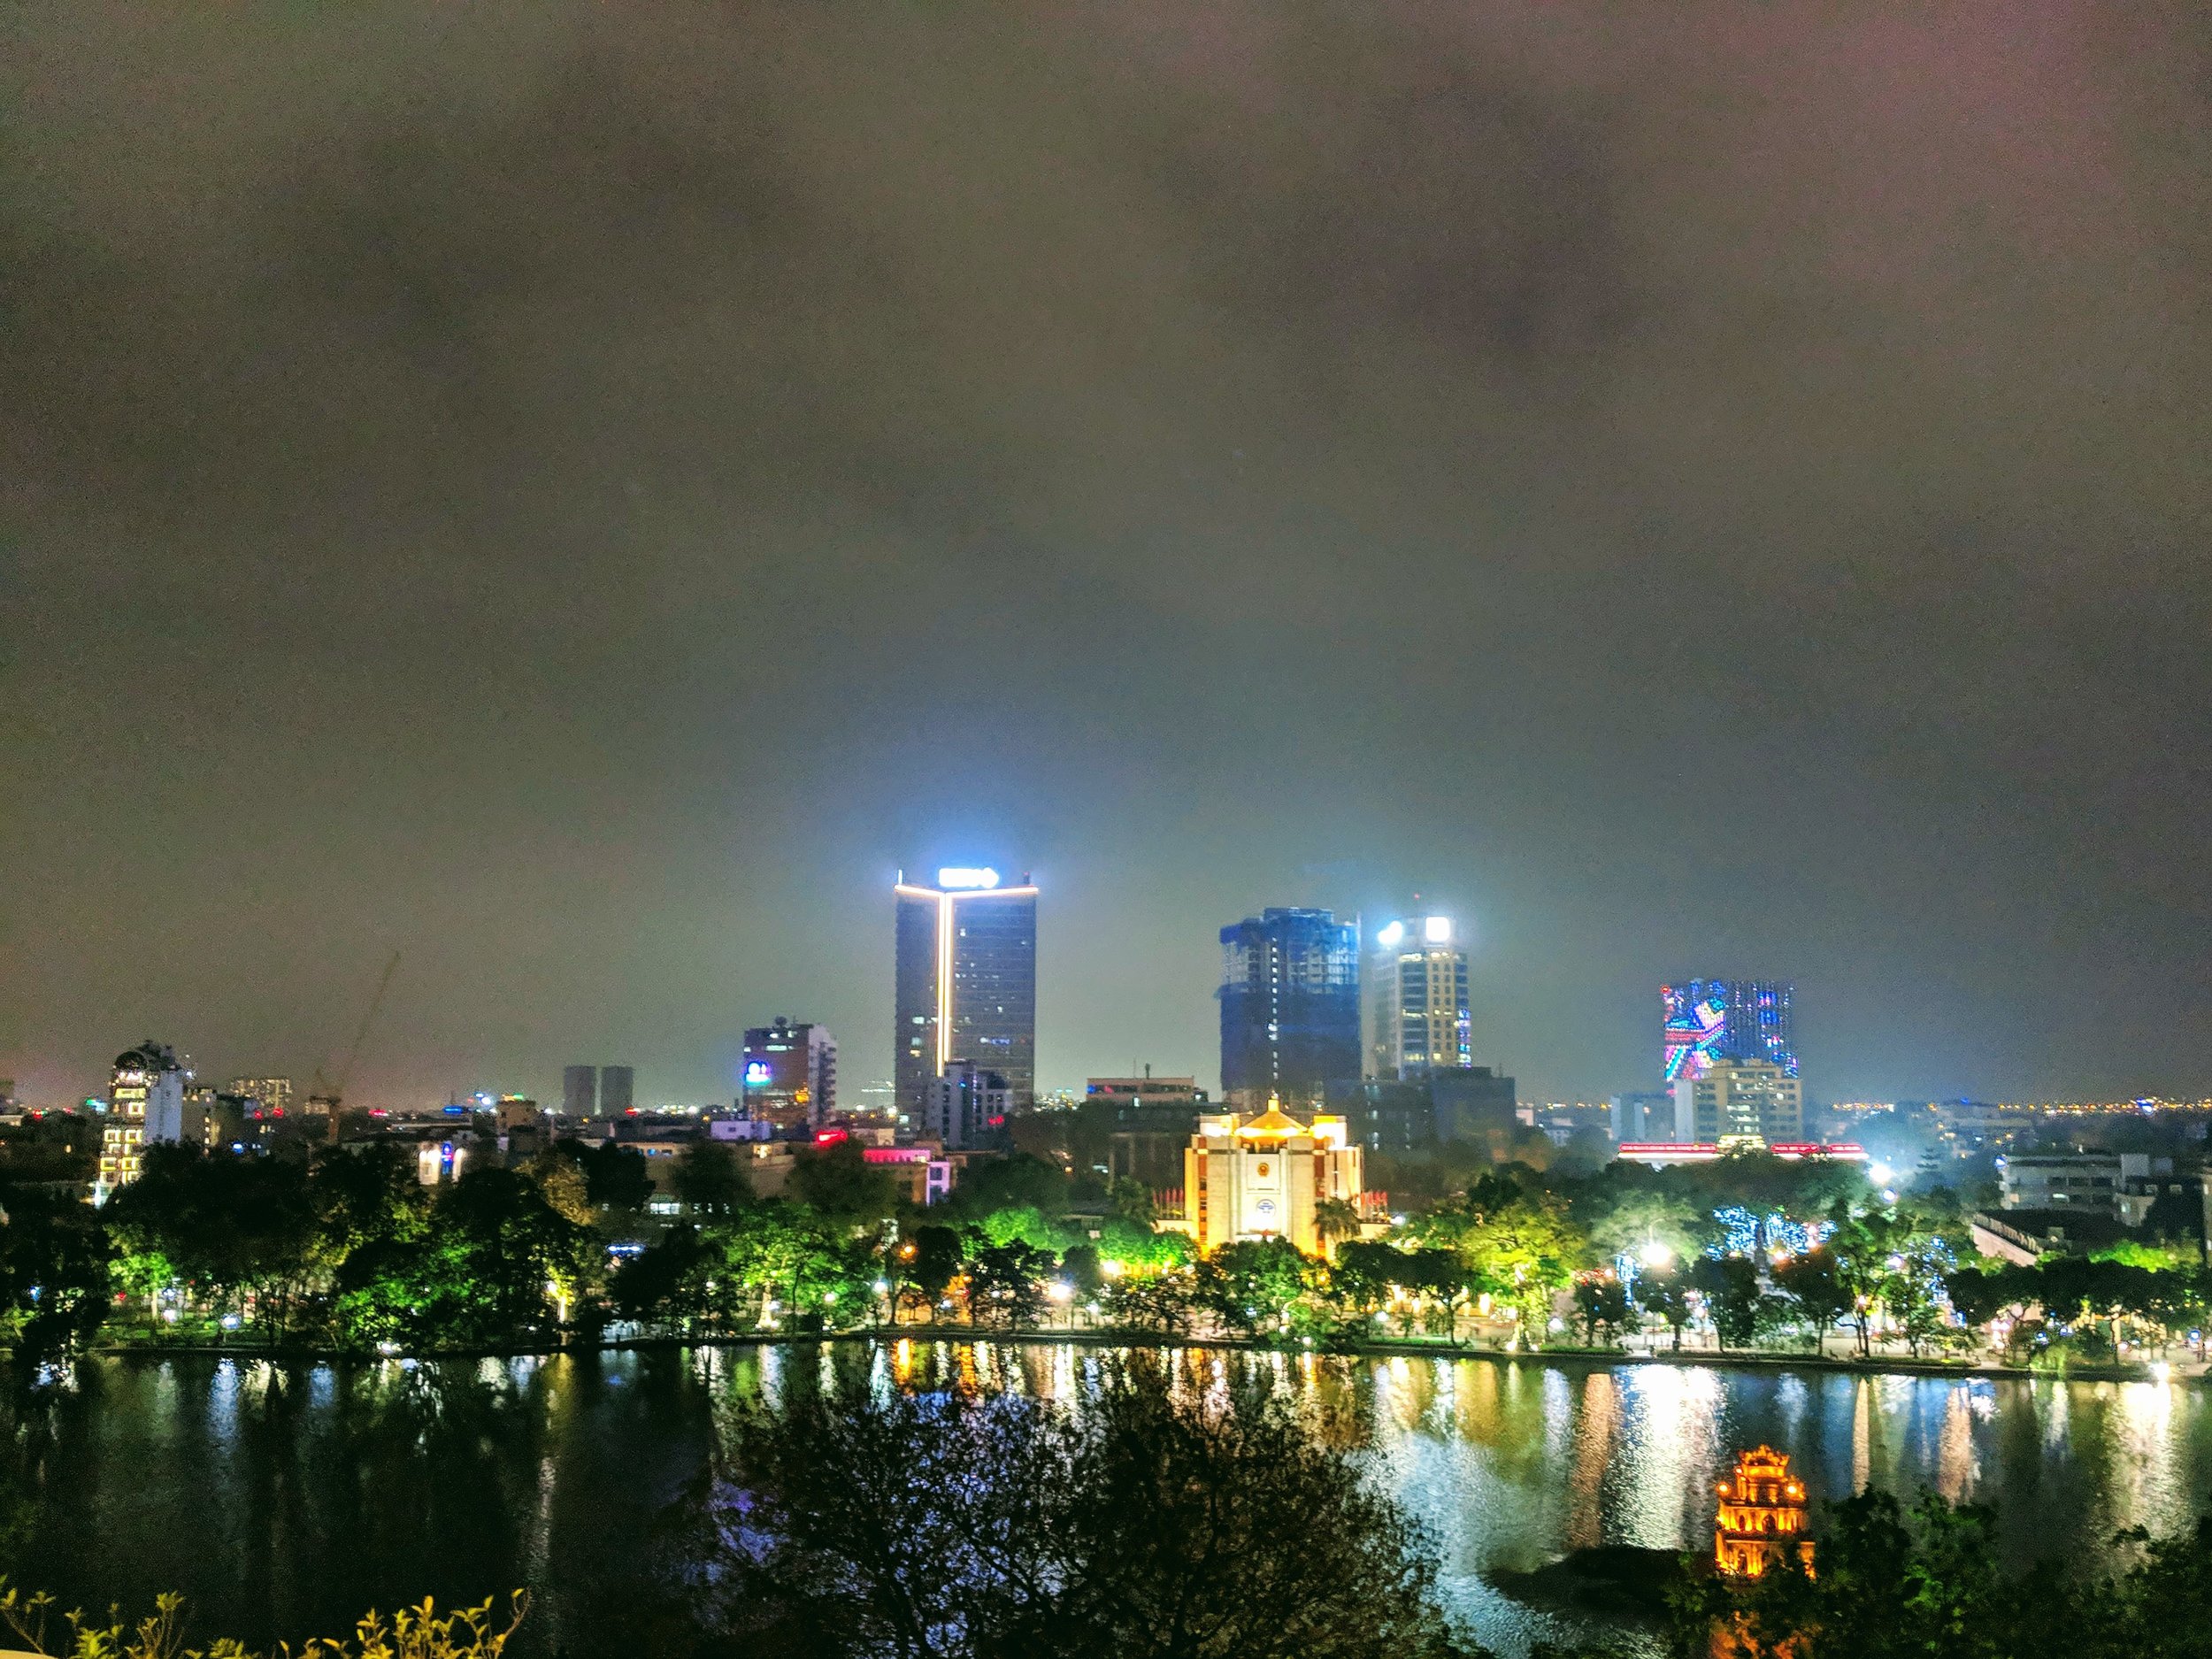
283,1502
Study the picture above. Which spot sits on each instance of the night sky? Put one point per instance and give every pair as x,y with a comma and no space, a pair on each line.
580,495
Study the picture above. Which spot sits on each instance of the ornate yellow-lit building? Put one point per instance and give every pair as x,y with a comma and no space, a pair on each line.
1761,1515
1259,1177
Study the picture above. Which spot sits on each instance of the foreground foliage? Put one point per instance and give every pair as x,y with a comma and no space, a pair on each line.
871,1522
414,1632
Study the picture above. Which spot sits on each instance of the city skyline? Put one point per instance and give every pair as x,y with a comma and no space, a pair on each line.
585,501
669,1081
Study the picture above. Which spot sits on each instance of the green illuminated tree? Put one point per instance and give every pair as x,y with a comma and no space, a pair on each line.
1525,1252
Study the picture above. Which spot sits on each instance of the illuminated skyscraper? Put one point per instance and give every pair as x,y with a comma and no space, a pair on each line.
1417,1019
1703,1021
1290,1014
967,983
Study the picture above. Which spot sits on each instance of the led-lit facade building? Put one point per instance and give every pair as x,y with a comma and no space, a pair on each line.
1290,1008
1743,1102
790,1075
145,1108
1416,1019
1261,1176
1704,1021
966,983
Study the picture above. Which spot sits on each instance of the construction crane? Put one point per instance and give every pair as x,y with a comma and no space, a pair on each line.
328,1096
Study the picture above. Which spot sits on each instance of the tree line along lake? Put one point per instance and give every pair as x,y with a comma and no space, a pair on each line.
282,1501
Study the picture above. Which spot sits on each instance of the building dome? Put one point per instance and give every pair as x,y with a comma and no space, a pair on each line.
1274,1124
148,1057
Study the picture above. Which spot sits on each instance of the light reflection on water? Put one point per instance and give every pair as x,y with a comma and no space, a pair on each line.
286,1500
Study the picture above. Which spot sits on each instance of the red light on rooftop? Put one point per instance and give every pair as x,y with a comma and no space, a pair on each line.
829,1137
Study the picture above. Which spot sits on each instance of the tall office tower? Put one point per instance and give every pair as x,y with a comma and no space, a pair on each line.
1740,1100
614,1090
790,1077
965,1106
967,982
1290,1015
579,1091
271,1094
145,1108
1415,1017
1702,1021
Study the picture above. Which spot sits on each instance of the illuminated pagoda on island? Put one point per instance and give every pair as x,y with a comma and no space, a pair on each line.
1761,1515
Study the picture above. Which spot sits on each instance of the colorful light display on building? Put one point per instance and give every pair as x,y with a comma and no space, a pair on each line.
1692,1038
1702,1021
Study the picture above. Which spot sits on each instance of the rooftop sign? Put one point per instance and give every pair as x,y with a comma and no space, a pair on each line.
967,879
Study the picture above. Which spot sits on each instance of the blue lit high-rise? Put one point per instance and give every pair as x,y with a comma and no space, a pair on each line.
1290,1013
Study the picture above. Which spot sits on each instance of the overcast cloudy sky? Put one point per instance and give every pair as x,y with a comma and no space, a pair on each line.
579,495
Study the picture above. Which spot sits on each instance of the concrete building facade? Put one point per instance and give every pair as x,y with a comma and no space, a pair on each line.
965,1106
1740,1101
